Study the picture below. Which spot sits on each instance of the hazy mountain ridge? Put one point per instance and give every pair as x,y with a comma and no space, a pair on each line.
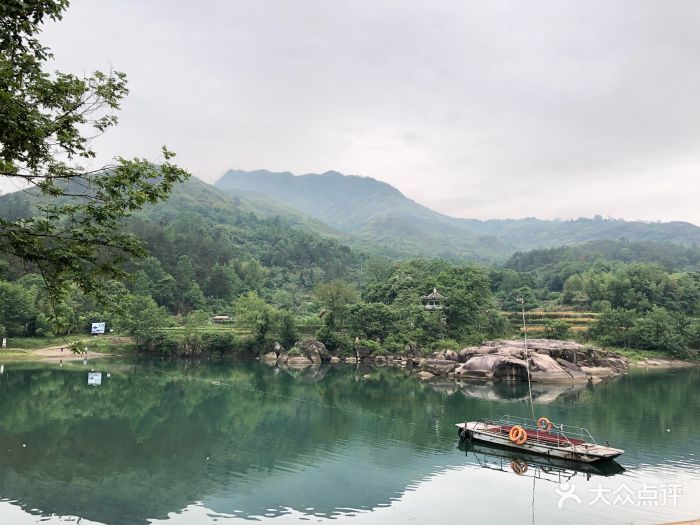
345,202
375,217
376,213
531,233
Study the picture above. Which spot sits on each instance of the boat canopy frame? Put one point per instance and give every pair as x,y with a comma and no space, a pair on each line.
565,432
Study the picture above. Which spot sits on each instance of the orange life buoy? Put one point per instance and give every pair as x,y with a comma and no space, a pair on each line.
519,466
544,424
514,433
518,435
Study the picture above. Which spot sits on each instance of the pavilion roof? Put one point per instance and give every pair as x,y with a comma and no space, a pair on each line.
434,295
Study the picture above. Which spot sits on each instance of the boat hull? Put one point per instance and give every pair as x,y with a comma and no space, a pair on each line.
488,450
579,452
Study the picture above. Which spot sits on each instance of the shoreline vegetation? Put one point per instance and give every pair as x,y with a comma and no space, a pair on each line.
187,307
436,364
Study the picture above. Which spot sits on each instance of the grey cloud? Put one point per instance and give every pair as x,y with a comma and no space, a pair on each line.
558,108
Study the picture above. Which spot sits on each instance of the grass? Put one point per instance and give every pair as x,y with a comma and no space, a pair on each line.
35,343
111,344
635,354
23,346
569,314
206,328
13,354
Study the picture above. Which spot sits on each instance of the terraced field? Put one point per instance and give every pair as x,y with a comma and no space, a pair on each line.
538,321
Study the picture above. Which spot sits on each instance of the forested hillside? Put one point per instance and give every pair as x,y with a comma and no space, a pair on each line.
206,249
281,275
668,254
531,233
378,214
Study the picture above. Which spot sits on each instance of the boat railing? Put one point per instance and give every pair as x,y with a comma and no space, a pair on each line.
565,432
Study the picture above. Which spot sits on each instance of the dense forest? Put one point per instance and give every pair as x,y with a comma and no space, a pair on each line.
281,276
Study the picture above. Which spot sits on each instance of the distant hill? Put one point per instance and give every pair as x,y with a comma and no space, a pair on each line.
533,233
673,257
377,214
375,217
195,196
213,227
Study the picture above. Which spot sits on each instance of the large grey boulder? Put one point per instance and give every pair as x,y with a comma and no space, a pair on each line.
315,350
438,367
545,369
363,351
617,363
451,355
486,366
471,351
509,367
597,371
550,361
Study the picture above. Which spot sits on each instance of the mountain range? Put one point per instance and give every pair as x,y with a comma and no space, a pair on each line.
376,216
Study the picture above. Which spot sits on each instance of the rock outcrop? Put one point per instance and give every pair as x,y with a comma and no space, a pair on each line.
451,355
549,361
314,350
363,351
438,367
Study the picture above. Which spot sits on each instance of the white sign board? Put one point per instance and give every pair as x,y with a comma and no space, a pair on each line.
94,378
97,328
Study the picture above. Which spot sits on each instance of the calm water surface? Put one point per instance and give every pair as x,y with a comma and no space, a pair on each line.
210,442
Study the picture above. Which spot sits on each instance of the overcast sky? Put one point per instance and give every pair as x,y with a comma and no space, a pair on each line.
483,109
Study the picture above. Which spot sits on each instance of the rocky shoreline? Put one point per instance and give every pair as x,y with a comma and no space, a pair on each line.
549,361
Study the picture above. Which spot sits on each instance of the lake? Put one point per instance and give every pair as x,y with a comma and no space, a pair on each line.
202,442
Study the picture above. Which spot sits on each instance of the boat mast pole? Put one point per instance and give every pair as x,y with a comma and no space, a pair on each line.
527,359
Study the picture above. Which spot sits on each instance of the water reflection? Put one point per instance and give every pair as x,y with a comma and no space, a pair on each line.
541,467
245,440
509,390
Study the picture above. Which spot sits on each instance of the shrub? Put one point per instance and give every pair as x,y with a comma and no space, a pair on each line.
601,306
661,330
445,344
395,344
288,331
372,345
221,343
556,329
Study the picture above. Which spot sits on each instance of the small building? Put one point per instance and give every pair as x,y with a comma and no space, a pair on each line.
434,300
221,319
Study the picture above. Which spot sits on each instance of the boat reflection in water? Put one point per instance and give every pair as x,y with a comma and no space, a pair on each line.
556,470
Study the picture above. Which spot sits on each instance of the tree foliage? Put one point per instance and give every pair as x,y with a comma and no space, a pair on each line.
47,122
